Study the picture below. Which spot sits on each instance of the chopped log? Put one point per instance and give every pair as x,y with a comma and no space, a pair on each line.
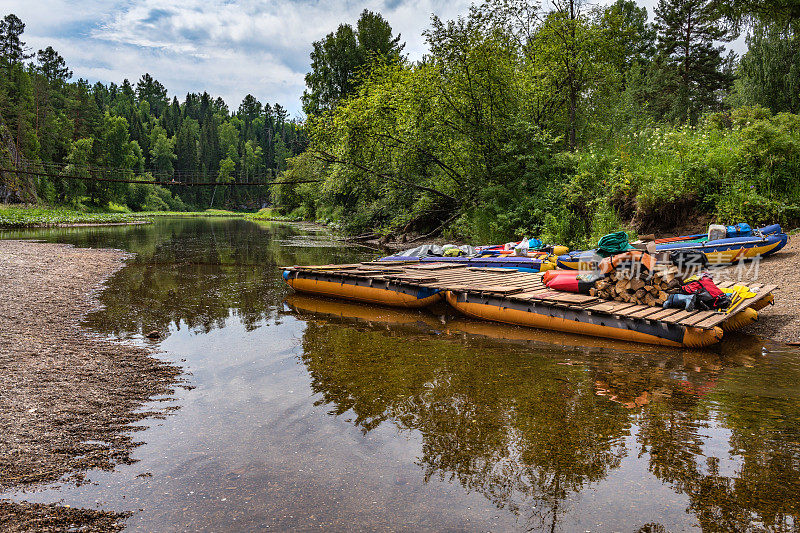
636,284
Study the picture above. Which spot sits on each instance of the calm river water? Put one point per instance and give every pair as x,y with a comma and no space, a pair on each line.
312,414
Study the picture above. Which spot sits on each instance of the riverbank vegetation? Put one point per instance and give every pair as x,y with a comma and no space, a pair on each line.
13,216
565,122
34,216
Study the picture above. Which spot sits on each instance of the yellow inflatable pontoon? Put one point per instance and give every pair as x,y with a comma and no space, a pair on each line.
391,293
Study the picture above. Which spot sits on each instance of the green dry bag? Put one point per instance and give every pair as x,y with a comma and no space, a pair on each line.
613,244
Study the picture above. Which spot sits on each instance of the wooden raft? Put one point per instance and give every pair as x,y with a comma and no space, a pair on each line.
525,286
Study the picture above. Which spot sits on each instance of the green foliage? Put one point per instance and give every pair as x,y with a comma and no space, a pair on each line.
151,197
34,216
337,60
52,65
80,155
741,168
162,152
691,61
769,73
12,47
269,213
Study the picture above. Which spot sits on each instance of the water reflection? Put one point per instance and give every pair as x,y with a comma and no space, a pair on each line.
530,432
329,404
197,272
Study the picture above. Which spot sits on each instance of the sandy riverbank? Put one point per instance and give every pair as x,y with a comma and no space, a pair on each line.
779,322
66,397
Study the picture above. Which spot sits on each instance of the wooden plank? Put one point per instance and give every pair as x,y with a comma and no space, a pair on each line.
572,298
609,306
663,314
528,284
499,289
677,317
493,269
330,267
545,294
436,266
411,279
712,321
725,284
527,295
698,317
451,273
353,273
646,312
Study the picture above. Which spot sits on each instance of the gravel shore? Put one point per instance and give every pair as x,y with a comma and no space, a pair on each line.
67,398
779,322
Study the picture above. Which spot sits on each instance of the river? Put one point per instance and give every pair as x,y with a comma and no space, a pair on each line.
315,414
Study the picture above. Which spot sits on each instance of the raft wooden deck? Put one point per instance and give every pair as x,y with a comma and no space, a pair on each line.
524,286
507,295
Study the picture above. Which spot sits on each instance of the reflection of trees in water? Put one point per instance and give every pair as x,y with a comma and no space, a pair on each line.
198,272
756,485
761,492
513,426
528,433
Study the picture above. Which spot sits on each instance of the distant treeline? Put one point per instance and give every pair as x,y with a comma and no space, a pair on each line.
136,128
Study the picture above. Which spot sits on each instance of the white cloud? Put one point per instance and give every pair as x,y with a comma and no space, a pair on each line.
229,49
226,48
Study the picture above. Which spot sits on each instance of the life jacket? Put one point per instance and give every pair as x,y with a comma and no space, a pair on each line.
610,263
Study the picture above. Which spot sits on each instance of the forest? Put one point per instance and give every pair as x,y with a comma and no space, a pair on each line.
130,132
564,121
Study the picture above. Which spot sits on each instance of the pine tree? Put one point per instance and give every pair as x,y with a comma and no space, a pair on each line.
153,92
687,33
52,65
12,47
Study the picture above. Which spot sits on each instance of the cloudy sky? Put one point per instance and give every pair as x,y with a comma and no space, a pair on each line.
227,47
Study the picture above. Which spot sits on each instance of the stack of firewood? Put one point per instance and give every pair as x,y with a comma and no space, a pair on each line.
643,288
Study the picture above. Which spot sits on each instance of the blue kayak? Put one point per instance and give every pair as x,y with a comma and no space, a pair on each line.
762,243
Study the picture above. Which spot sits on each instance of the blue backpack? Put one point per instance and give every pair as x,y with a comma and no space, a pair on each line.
739,230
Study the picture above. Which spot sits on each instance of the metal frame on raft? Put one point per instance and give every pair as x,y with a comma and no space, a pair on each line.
521,298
